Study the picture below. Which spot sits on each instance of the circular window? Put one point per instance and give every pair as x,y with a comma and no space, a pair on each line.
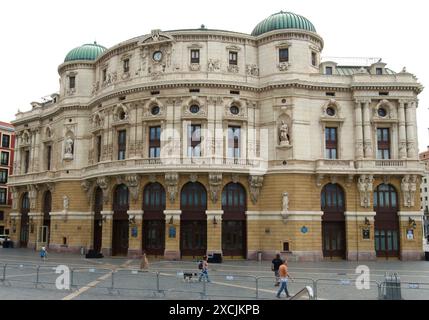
154,110
122,115
330,111
382,112
283,100
234,110
194,108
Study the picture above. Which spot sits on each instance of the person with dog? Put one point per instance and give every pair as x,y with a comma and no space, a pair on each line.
204,268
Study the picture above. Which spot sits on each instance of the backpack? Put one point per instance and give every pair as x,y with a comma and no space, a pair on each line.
200,265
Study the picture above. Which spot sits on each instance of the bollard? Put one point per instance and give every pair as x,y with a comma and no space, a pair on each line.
257,287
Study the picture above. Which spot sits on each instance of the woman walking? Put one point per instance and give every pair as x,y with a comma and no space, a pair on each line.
284,277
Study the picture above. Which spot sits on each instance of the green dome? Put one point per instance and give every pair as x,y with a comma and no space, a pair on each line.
283,20
88,51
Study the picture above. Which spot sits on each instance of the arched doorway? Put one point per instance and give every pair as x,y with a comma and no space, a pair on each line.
193,220
154,219
120,221
45,231
24,232
98,219
386,224
234,220
333,221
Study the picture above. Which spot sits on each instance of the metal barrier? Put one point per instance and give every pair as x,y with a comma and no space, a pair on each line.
340,289
184,284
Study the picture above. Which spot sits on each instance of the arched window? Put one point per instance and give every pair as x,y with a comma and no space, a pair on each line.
234,197
385,198
121,197
25,204
193,197
154,197
332,198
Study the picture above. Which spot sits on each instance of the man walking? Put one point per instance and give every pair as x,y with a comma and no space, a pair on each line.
204,270
284,277
276,263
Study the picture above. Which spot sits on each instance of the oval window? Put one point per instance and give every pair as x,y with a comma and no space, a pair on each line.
155,110
330,111
382,112
234,110
194,108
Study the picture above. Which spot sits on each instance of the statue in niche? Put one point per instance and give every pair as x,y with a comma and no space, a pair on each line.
284,134
68,150
285,202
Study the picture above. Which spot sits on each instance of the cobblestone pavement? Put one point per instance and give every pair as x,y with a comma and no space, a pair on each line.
235,279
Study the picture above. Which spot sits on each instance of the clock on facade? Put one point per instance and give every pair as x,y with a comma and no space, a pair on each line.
157,56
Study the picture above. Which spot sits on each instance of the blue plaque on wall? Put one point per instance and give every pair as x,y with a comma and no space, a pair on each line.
172,232
134,232
304,229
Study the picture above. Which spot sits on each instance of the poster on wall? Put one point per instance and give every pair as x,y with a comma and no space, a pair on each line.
410,234
366,234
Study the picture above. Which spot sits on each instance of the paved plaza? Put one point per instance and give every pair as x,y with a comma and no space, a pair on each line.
27,277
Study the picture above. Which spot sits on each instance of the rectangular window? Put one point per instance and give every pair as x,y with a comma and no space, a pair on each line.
3,176
328,71
155,142
383,143
1,217
284,55
426,189
379,71
104,75
48,156
331,143
72,82
4,158
26,160
233,57
234,142
3,193
126,65
314,58
98,148
195,56
122,144
194,140
5,141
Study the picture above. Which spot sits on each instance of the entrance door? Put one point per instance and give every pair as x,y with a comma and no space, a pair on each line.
120,230
234,220
98,222
193,220
154,219
333,221
25,209
193,238
386,224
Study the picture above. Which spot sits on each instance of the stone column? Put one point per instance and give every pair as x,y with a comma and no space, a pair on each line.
17,160
106,242
402,132
172,234
35,222
367,130
15,228
411,129
359,247
358,130
135,233
214,231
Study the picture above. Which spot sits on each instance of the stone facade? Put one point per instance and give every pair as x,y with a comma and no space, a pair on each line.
282,112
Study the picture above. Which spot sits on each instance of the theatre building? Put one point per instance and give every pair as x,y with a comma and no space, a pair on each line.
186,142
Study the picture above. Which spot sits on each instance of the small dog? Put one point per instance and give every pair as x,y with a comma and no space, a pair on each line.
187,276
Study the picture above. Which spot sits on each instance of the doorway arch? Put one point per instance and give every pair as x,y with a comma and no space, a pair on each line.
120,233
386,224
24,231
154,219
333,221
234,206
98,220
193,220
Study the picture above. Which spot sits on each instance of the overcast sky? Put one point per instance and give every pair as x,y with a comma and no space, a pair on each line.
37,35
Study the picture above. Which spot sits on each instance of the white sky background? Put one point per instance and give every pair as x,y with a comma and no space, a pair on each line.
36,35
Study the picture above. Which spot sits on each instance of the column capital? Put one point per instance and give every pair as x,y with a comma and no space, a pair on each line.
358,101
